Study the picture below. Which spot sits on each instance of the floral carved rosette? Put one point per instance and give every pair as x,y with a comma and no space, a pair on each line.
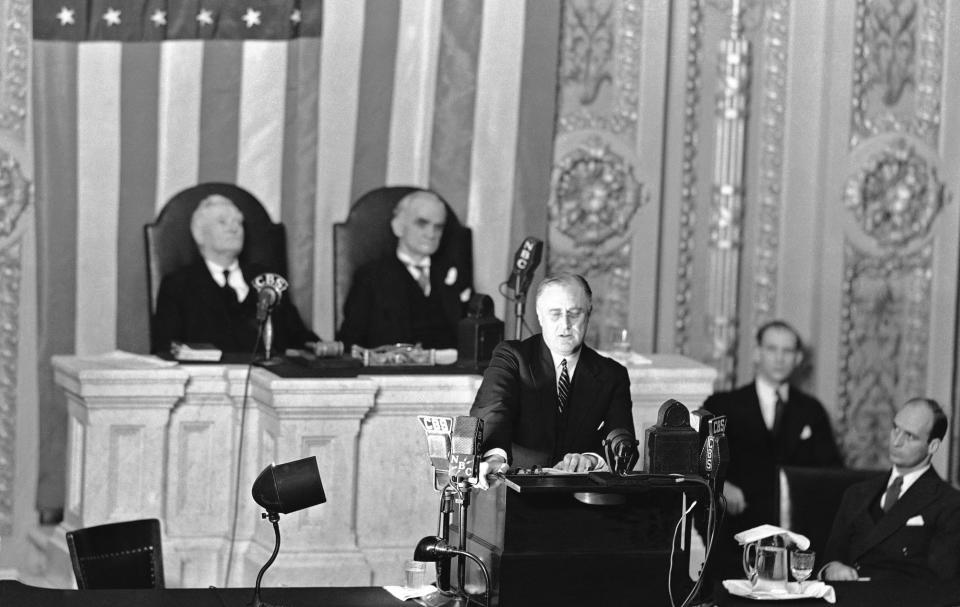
896,196
15,193
595,194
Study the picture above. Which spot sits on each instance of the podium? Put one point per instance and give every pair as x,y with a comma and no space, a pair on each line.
548,540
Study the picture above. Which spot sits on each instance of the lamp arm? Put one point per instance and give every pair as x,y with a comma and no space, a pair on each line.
274,518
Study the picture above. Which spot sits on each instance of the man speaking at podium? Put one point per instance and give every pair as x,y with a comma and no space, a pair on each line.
549,400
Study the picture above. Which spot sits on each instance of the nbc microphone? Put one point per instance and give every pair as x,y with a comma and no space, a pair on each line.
464,444
525,263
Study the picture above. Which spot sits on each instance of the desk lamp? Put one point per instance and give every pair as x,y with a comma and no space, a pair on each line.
281,490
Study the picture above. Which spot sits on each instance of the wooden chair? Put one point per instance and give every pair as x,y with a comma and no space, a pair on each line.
128,554
366,235
170,245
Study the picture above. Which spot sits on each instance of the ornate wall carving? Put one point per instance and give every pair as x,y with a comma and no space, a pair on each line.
595,192
14,62
883,345
688,180
773,102
898,66
10,271
15,194
896,196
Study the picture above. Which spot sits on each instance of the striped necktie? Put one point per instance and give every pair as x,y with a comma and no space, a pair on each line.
423,278
563,387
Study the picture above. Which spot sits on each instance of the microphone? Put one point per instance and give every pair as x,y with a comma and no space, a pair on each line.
464,443
270,288
620,449
525,263
716,453
438,429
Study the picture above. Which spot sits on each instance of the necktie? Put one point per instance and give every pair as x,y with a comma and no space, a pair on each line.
778,415
423,278
893,493
563,387
228,291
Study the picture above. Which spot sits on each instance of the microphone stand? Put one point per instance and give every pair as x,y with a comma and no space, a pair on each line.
520,302
445,596
268,360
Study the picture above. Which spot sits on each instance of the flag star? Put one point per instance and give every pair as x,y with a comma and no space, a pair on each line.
205,16
159,18
66,16
251,18
295,16
112,16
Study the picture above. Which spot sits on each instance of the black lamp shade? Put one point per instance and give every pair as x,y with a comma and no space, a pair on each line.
289,487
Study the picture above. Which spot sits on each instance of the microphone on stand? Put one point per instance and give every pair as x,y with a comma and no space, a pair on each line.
525,263
270,288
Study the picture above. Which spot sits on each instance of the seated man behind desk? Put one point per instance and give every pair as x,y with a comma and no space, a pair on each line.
549,400
905,525
212,300
412,296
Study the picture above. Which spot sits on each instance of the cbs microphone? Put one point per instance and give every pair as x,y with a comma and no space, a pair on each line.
270,288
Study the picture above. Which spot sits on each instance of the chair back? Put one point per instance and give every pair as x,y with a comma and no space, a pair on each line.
170,245
810,498
128,554
366,235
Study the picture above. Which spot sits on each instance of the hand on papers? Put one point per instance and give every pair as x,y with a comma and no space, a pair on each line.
736,503
577,462
835,571
491,471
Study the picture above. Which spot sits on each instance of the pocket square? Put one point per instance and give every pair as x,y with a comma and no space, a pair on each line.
806,433
915,521
451,277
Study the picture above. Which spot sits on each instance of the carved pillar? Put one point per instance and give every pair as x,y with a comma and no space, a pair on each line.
727,200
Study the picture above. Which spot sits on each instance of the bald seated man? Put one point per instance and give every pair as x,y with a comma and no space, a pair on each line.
213,300
904,525
411,296
550,399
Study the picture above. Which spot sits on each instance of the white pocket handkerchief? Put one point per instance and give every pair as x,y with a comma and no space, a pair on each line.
451,277
915,521
806,433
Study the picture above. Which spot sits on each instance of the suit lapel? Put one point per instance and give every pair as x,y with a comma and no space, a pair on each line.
924,491
541,367
584,388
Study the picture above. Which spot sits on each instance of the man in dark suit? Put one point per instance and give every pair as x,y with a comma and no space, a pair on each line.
412,296
213,300
549,400
769,424
905,524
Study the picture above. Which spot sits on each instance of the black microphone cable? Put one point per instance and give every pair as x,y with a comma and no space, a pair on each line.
243,422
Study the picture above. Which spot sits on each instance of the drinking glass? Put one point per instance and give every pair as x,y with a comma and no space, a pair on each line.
801,565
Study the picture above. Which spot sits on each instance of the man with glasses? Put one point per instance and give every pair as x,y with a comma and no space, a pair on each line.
550,400
905,524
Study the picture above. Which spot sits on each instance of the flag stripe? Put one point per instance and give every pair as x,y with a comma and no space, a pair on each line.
140,67
98,177
178,117
219,111
262,107
455,101
55,141
414,82
300,168
375,96
493,158
340,57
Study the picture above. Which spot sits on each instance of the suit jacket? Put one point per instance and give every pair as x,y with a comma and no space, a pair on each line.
378,312
517,401
885,545
191,308
805,439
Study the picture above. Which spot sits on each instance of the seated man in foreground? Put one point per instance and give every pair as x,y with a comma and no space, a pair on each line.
905,524
213,301
410,296
549,400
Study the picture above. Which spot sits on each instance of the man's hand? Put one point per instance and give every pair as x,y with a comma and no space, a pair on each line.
835,571
736,503
577,462
490,468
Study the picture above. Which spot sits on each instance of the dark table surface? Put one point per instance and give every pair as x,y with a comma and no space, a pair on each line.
865,594
16,594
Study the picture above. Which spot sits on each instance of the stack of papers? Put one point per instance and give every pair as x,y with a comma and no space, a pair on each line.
195,352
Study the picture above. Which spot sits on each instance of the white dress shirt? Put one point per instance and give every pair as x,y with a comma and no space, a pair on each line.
767,395
236,281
